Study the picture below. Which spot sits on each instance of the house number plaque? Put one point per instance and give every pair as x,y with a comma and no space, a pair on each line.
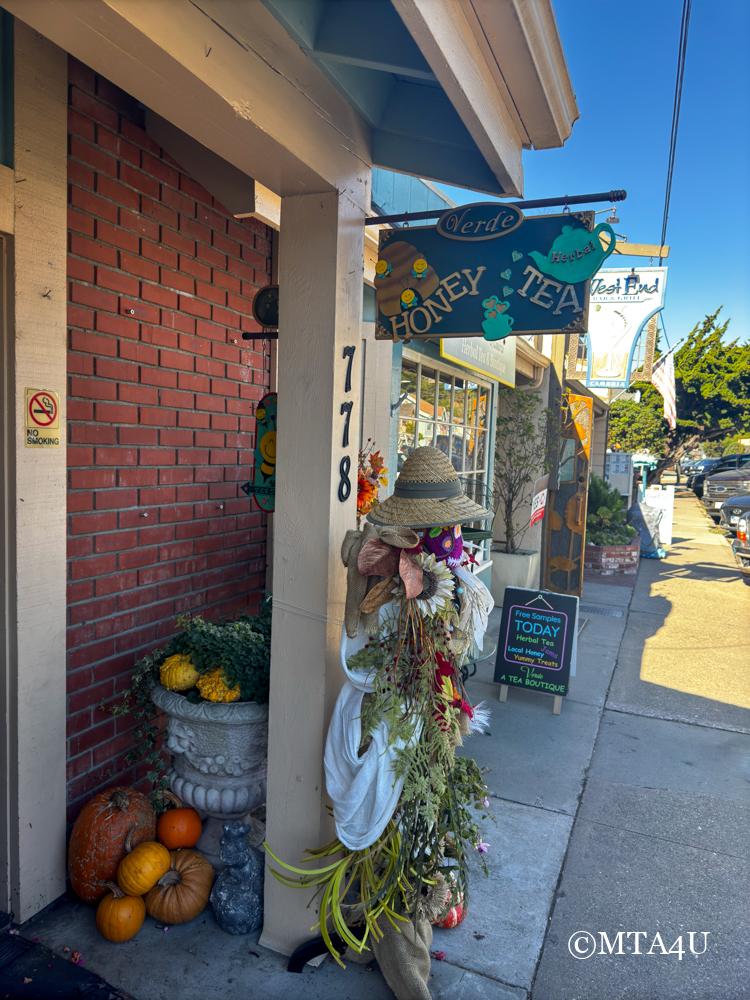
345,465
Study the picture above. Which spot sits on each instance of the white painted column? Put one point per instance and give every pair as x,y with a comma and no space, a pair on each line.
320,281
377,391
37,704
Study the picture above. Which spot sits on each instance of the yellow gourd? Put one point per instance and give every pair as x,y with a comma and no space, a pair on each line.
213,687
140,870
177,673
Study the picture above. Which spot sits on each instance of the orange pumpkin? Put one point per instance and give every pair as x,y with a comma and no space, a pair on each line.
107,825
140,870
179,828
119,917
182,893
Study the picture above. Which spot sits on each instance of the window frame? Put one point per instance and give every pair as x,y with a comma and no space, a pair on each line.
480,473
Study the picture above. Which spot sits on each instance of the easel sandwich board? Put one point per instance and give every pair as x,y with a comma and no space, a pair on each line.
537,643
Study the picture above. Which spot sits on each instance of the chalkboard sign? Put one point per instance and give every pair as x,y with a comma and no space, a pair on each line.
537,637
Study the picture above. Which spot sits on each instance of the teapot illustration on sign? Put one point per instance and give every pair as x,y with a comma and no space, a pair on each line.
576,255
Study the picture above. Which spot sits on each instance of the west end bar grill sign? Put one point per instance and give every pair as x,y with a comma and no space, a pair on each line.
486,270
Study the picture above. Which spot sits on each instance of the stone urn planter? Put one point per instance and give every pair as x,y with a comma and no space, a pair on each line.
513,569
219,753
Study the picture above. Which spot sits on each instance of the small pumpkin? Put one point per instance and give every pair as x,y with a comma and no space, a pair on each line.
140,870
182,893
178,673
119,917
180,827
213,687
109,823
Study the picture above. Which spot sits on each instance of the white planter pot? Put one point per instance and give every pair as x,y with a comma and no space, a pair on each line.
219,753
516,569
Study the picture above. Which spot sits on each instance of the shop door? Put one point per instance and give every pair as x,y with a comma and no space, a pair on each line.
565,521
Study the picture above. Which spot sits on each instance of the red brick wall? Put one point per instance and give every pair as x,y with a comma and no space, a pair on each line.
611,559
161,394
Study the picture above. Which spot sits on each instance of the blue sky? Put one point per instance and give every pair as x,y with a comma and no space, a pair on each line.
622,60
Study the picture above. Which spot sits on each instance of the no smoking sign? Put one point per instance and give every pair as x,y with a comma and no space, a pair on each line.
42,418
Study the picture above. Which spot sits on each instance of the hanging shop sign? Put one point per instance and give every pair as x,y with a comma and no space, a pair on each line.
42,419
494,359
487,271
537,640
623,300
263,485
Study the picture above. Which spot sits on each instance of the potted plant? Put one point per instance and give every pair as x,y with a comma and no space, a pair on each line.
520,459
612,545
211,681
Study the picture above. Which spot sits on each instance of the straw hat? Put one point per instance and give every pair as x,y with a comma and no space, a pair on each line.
427,494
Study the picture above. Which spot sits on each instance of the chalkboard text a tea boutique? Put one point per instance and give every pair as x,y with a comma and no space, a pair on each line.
537,636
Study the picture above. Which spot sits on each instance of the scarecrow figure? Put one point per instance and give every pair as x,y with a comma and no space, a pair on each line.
404,805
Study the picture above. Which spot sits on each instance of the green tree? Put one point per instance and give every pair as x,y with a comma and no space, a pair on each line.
520,458
712,379
638,426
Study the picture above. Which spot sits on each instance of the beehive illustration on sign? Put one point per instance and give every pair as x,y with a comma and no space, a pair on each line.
404,278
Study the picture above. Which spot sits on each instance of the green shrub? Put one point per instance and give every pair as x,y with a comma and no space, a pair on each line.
606,519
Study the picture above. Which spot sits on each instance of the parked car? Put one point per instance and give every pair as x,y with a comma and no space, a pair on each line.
721,486
724,464
686,465
732,510
741,547
700,467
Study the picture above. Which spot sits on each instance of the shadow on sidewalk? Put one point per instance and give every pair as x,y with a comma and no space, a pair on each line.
685,649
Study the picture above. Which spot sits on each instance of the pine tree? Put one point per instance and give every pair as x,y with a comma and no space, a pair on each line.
712,379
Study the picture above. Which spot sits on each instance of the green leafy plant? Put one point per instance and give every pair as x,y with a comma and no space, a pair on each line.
520,459
241,648
606,519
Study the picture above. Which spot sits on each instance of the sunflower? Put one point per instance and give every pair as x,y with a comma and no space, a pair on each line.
437,587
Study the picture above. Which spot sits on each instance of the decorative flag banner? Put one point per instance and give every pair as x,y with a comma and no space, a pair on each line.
623,300
582,416
662,378
487,271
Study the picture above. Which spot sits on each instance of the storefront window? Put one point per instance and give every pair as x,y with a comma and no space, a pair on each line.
453,415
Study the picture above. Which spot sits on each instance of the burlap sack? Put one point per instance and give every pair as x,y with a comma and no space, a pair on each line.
356,583
404,959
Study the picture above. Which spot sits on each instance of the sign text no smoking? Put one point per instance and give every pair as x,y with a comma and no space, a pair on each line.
42,418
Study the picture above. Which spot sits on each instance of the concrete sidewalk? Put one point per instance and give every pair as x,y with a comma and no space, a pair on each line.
661,841
629,811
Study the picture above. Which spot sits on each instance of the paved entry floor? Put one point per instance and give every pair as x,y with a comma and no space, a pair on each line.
630,811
